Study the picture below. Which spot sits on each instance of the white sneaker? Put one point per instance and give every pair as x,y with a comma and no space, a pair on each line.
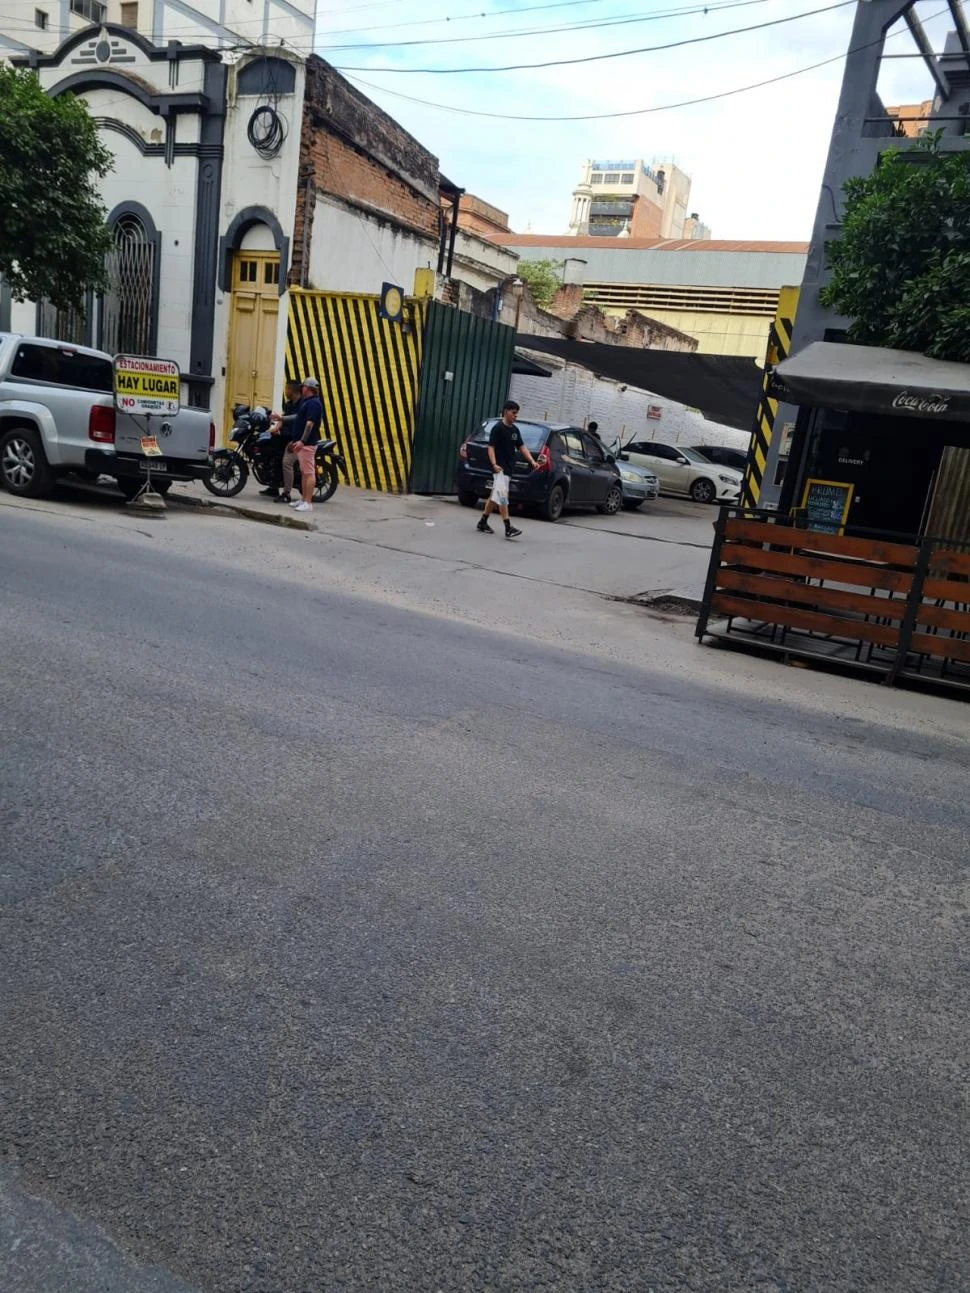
303,507
295,502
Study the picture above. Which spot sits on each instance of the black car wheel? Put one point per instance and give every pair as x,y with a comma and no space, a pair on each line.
703,491
23,464
612,503
467,498
552,508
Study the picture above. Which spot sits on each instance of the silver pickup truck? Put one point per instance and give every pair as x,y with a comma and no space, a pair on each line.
57,416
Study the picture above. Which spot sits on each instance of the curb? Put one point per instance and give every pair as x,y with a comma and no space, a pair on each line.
280,519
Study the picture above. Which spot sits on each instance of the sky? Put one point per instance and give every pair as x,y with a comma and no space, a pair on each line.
755,158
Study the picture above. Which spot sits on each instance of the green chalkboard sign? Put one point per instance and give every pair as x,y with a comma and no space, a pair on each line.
826,504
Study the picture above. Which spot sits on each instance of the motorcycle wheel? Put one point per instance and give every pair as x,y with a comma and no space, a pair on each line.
229,475
326,482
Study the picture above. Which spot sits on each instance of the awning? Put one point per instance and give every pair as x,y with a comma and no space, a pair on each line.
869,379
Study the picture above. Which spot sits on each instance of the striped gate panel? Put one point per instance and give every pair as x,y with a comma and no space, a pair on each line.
779,346
368,372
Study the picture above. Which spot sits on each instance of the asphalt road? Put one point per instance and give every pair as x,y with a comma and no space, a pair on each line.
348,944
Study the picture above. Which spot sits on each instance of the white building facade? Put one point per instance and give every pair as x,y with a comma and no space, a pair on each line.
43,25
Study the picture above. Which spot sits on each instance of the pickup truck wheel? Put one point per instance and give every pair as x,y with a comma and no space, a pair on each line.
23,464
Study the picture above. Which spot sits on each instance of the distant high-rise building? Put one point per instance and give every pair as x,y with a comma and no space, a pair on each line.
911,119
630,199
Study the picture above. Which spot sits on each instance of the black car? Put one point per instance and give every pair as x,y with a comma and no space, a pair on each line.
723,457
574,470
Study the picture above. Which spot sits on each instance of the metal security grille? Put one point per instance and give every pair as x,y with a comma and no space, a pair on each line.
61,325
702,300
128,306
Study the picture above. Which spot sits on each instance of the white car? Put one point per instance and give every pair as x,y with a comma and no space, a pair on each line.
685,472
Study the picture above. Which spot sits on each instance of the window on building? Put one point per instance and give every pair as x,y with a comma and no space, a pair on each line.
128,306
271,272
596,178
61,325
40,19
611,177
129,16
93,10
626,179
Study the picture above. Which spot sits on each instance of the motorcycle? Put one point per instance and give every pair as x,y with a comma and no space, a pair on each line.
255,451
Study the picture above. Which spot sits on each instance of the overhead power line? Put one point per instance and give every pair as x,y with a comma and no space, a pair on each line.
467,17
636,112
599,58
684,11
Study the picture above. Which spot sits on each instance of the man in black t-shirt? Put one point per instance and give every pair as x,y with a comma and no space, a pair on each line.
504,444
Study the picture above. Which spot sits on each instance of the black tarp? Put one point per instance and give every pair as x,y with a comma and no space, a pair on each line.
725,388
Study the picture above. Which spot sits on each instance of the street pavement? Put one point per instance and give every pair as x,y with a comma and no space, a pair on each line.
662,549
370,920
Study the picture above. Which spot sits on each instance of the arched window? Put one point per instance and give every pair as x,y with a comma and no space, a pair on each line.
129,307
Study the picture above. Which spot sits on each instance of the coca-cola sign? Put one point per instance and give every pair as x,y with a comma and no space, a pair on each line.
928,404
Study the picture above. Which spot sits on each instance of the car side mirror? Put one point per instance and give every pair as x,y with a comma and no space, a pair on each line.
610,459
683,461
624,457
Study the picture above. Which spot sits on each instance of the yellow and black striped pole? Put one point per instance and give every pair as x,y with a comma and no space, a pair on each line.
779,346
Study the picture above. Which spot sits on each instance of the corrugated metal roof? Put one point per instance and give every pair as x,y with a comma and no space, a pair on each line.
649,244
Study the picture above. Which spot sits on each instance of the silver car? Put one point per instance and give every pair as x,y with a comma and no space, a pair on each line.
638,485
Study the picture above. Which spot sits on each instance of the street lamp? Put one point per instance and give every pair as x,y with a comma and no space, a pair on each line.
518,288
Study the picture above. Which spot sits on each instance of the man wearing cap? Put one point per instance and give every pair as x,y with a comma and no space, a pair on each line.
302,448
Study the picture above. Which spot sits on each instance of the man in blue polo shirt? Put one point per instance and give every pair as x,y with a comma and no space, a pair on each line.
306,423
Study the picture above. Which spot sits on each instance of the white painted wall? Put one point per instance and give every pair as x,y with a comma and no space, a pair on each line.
576,396
250,180
351,253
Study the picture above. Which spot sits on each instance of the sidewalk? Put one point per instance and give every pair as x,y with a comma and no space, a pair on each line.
660,552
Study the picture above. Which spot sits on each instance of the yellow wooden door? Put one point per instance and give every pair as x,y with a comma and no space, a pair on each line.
253,319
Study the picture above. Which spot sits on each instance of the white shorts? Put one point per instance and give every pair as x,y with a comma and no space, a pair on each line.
500,490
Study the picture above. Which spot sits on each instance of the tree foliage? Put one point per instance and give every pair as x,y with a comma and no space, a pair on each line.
542,279
53,237
901,269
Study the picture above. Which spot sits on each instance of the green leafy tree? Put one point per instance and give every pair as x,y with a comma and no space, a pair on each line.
542,279
901,269
53,237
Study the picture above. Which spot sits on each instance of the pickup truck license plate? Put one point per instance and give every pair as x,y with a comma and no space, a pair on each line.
156,464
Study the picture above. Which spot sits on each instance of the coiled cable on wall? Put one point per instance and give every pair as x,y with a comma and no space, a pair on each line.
266,131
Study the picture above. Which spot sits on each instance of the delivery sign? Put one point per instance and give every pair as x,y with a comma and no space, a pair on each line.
146,386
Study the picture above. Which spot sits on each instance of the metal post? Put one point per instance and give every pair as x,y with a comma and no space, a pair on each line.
715,565
913,603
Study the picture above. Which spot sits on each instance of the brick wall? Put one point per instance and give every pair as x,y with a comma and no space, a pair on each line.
352,151
647,219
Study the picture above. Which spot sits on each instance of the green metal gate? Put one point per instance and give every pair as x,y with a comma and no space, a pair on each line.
465,376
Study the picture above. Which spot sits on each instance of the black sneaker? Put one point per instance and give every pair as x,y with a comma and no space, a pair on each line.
270,492
483,527
283,498
511,532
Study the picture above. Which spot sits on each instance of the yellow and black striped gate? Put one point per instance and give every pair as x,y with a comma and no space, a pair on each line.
368,371
779,345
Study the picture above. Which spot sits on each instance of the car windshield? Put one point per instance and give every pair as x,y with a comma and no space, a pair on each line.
533,434
693,456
